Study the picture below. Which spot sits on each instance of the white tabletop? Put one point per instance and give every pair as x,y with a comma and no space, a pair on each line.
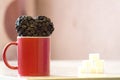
64,69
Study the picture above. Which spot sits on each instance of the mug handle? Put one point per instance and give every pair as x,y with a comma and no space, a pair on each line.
4,55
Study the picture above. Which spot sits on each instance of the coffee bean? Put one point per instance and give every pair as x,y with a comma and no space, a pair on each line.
40,26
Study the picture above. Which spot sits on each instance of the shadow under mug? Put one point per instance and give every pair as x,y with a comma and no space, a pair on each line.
33,56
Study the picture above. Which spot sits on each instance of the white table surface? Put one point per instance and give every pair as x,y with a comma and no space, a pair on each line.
63,69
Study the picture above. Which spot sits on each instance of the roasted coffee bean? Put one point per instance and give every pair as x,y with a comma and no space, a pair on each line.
40,26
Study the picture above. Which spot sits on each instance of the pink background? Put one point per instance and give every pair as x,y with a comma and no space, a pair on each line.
81,27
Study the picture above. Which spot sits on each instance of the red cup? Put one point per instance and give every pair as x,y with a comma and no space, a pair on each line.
33,56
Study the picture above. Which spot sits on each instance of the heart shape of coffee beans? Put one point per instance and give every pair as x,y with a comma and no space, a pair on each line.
39,26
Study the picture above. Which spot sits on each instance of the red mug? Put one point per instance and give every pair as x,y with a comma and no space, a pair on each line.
33,56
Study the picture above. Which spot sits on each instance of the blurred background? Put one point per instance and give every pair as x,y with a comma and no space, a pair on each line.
81,26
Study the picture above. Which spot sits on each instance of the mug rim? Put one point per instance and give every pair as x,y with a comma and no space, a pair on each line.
32,37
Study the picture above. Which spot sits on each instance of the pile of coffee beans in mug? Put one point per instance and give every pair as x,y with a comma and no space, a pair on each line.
39,26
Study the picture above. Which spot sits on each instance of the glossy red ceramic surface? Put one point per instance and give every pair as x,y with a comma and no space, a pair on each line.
33,56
